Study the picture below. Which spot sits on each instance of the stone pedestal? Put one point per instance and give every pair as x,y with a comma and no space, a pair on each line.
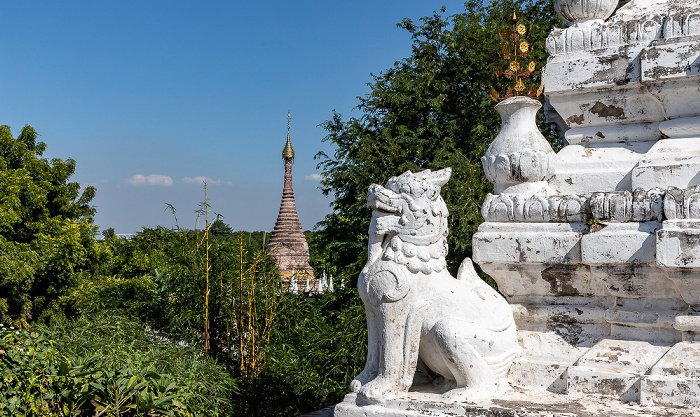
516,403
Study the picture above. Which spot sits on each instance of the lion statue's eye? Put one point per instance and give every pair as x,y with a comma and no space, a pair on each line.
405,188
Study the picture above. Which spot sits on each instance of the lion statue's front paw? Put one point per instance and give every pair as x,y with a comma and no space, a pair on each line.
355,385
377,391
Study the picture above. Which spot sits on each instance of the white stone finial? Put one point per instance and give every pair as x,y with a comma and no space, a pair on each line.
330,286
308,285
573,11
519,158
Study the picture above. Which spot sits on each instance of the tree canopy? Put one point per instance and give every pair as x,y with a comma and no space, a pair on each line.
45,226
429,111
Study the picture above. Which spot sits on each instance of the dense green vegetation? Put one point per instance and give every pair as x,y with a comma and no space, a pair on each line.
195,322
107,363
46,240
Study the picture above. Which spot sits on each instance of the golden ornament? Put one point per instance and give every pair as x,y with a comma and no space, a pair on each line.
531,66
514,66
521,29
524,47
505,32
505,49
519,86
494,94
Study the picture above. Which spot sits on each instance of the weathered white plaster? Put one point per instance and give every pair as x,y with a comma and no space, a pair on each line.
675,378
613,368
588,168
514,403
635,243
604,264
669,163
678,244
519,159
460,331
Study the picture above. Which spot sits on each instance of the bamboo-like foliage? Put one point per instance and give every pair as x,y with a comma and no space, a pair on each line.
206,271
255,309
168,280
247,301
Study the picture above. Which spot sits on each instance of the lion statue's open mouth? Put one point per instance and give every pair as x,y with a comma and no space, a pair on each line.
460,329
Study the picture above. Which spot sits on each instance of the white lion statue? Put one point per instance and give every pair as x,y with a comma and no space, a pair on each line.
459,329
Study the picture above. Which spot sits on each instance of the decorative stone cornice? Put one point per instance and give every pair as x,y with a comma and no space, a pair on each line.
629,26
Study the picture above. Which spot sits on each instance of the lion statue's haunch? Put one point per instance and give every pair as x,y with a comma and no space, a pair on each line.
459,329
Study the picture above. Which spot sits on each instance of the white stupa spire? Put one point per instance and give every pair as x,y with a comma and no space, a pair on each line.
294,287
321,281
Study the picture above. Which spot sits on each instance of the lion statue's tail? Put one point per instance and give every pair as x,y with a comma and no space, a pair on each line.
468,274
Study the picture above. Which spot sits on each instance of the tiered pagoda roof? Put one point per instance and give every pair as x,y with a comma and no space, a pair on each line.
288,246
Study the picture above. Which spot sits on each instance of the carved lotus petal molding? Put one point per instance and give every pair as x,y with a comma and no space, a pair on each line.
625,206
518,167
615,206
534,208
682,204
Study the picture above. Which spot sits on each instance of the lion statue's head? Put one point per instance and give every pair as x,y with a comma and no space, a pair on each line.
412,217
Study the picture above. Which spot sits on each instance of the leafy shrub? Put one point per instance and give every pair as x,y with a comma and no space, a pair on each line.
129,354
318,345
29,363
108,365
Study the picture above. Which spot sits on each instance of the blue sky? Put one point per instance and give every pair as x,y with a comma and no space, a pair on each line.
151,96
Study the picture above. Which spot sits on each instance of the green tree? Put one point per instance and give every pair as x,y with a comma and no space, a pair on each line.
109,233
46,230
219,228
428,111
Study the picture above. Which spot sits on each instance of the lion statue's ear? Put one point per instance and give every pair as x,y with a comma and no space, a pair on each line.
439,178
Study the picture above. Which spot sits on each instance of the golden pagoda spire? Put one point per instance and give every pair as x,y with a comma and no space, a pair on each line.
288,151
